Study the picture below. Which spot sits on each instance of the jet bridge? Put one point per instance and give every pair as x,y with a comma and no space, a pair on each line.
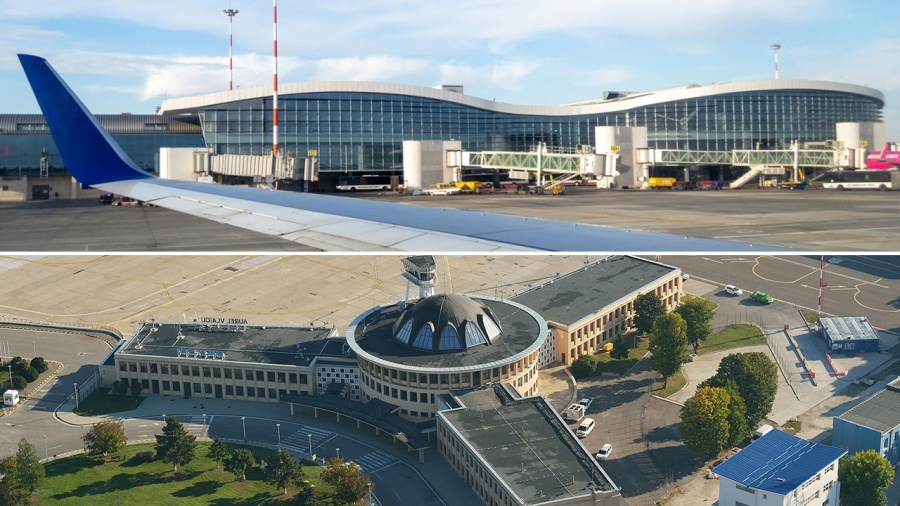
547,163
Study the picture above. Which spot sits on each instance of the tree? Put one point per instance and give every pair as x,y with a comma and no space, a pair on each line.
308,495
737,415
620,348
30,374
218,452
18,382
282,469
704,421
864,478
105,438
18,365
583,366
29,468
39,364
697,313
120,387
136,388
175,446
240,461
756,378
668,344
349,482
11,491
647,308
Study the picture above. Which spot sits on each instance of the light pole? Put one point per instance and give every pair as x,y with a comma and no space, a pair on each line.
46,453
338,451
164,418
244,424
76,395
310,446
776,47
278,426
33,349
204,426
370,493
230,13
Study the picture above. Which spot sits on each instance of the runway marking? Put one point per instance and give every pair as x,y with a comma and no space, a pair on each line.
867,307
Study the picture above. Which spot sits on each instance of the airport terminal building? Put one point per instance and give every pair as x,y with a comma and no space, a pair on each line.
357,128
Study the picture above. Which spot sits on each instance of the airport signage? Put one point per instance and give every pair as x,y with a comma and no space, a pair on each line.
226,321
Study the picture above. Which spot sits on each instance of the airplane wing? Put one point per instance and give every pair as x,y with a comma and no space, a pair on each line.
329,223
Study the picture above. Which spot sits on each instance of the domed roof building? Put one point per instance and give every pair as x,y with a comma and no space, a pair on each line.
411,353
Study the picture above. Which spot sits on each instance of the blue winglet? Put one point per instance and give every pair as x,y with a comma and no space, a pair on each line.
88,151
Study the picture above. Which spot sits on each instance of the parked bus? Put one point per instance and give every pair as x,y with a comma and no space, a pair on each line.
862,180
364,182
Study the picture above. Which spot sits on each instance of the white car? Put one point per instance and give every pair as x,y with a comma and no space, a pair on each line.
733,290
685,276
586,427
605,452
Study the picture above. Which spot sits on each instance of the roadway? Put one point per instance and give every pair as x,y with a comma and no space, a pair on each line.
805,220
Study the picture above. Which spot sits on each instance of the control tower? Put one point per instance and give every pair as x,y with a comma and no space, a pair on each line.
420,271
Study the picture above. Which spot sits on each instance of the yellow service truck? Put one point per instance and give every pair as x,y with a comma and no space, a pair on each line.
661,182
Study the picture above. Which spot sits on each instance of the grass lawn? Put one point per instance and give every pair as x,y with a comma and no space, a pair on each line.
732,336
101,403
811,316
605,363
81,480
676,383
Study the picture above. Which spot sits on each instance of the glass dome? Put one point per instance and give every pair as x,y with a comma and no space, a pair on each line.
446,323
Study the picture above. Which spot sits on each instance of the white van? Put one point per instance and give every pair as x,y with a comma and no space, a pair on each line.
585,428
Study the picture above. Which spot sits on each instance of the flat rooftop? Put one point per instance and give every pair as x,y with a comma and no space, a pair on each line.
879,412
848,328
523,332
527,446
582,291
296,346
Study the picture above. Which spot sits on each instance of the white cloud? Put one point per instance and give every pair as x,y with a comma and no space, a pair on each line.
506,75
371,68
601,79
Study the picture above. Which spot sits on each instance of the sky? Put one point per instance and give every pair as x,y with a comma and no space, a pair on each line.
129,55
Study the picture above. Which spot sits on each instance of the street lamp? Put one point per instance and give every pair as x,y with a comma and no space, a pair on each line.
76,396
204,426
164,418
244,424
33,349
46,453
338,451
310,445
776,47
278,426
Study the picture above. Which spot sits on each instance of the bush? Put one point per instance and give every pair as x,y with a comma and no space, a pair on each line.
40,364
584,366
120,387
144,456
19,382
30,374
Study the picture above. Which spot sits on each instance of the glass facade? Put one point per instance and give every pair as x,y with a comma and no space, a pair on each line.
363,132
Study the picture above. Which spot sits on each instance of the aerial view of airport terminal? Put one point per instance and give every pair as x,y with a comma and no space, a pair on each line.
444,253
465,379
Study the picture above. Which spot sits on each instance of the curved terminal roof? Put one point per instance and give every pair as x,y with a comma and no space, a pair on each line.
621,102
373,335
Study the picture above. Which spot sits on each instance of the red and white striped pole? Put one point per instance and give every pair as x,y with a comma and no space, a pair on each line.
230,13
275,80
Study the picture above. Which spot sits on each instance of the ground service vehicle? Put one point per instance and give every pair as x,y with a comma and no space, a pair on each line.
761,297
442,189
661,182
862,180
364,182
573,413
586,402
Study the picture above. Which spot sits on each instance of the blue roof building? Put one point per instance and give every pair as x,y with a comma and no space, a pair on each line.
780,469
849,334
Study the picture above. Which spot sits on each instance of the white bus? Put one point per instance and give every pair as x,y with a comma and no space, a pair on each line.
364,182
862,180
